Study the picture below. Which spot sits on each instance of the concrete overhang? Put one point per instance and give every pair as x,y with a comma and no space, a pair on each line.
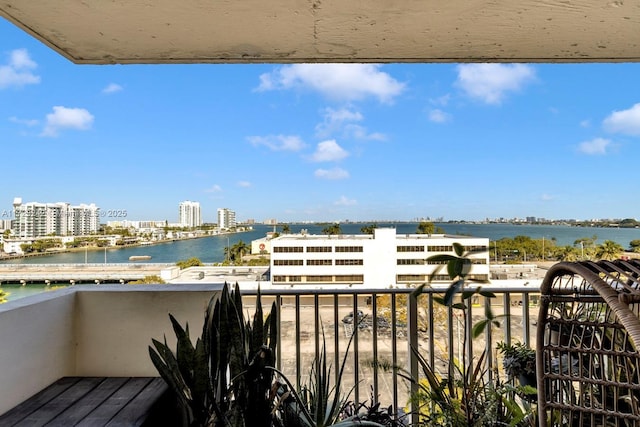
284,31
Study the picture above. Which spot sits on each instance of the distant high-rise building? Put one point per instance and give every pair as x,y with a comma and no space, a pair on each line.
226,219
35,219
190,215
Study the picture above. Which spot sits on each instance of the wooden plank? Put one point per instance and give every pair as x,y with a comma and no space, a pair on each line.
88,403
35,402
140,407
114,404
62,401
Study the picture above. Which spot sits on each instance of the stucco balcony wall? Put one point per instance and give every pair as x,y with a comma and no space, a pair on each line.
100,330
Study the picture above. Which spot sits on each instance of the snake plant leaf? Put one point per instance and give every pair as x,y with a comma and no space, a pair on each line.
184,350
200,388
168,376
272,323
257,330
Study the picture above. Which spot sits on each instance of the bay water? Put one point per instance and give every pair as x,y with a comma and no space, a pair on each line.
211,249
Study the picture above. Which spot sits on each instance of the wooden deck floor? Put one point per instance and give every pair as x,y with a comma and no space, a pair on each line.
89,402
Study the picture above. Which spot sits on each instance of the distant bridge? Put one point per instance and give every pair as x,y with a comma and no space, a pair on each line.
78,273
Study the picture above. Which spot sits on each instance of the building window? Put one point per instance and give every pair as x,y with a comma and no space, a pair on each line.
410,262
350,278
287,249
410,249
349,262
440,248
319,279
348,248
432,262
475,248
440,278
319,262
479,277
284,279
318,248
287,262
410,278
478,260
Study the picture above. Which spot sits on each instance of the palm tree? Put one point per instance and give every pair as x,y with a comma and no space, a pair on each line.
332,229
609,250
286,229
567,253
368,229
239,250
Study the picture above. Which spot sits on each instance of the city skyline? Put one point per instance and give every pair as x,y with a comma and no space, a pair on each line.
321,142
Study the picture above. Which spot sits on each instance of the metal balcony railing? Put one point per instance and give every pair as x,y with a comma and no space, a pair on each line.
384,324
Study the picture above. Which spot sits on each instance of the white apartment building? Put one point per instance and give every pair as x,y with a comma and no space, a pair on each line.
226,219
35,219
381,260
190,215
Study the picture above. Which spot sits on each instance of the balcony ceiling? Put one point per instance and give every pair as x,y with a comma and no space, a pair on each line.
282,31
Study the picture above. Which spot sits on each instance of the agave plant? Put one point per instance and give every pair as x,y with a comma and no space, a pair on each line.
225,378
321,403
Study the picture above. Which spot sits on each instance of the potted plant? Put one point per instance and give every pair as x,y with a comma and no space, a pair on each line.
519,361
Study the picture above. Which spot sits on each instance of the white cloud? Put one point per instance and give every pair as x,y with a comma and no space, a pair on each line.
112,88
329,151
26,122
595,146
17,72
244,184
360,132
439,116
491,83
343,122
278,142
344,201
67,118
546,197
334,121
332,174
213,189
585,123
625,121
348,82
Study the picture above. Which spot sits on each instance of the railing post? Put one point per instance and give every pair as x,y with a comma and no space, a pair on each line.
412,340
526,329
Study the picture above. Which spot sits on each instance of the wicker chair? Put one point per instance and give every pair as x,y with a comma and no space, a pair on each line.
588,364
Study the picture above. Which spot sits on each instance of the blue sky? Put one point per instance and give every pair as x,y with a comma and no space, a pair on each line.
320,142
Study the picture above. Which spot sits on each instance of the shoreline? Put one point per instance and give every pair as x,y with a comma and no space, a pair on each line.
7,257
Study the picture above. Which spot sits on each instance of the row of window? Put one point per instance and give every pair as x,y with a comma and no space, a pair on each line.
410,248
421,278
359,278
300,249
318,262
346,278
284,262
